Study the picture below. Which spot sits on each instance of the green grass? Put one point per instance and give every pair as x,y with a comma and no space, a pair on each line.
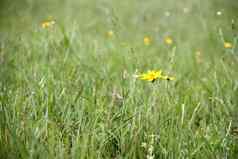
70,92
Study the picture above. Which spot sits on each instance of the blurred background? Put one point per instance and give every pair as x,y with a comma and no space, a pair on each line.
19,15
193,23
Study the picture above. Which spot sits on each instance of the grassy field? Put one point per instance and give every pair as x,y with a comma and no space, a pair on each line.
70,89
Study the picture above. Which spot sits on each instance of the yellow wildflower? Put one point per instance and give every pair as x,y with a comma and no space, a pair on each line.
154,75
168,40
47,24
150,75
147,40
227,45
110,33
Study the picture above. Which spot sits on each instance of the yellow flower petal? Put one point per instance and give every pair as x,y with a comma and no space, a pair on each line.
227,45
168,40
47,24
110,34
147,40
150,75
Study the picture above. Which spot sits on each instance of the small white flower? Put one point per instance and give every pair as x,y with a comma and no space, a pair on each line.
219,13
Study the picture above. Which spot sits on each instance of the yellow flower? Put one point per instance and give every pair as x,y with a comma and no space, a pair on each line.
47,24
154,75
227,45
150,75
168,40
110,33
147,40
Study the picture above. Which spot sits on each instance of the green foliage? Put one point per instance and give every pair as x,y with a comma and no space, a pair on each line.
69,91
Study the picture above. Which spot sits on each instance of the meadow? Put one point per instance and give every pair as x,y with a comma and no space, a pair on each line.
75,80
